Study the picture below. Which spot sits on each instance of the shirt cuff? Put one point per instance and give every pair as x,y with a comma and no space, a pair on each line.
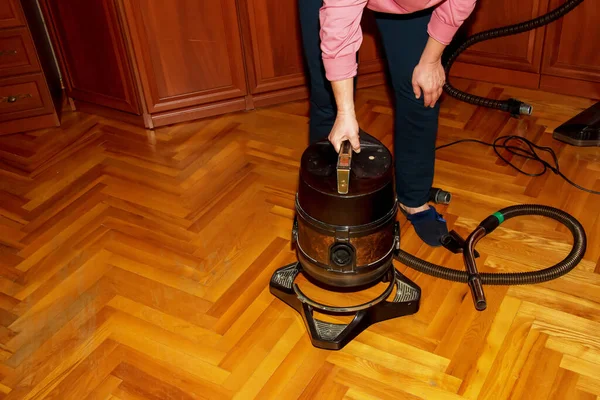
440,30
341,67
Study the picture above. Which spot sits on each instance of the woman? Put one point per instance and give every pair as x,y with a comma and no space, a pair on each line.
414,35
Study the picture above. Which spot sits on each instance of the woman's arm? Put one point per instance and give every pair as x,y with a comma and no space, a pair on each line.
429,76
346,125
341,37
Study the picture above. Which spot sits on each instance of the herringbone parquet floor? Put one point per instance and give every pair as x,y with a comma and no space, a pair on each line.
135,265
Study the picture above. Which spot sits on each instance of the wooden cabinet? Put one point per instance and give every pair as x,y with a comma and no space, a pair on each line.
93,53
513,60
273,47
29,87
158,62
560,57
571,62
188,52
11,14
17,52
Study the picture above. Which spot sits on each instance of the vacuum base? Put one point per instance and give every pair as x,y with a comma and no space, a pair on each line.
333,336
582,130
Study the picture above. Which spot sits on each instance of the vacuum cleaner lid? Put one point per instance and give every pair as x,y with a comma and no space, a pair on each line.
370,170
347,189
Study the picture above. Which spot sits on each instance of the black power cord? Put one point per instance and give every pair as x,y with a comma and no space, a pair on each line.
529,153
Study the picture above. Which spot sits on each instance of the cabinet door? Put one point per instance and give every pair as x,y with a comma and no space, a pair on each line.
11,14
274,44
521,52
571,48
92,51
188,51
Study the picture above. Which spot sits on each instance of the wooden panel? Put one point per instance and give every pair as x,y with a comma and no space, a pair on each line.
92,51
571,46
274,44
24,96
29,124
198,112
484,73
188,51
11,14
17,52
519,52
571,87
370,56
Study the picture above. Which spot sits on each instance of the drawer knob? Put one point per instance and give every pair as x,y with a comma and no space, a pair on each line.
13,99
8,52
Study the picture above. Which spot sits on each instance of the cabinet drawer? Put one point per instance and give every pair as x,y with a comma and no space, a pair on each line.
24,96
17,52
11,14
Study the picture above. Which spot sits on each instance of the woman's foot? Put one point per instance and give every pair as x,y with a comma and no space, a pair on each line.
429,225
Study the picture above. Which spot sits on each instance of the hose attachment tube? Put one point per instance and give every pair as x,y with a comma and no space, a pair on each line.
487,226
513,106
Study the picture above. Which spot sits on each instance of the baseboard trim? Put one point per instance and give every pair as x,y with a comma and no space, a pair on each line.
570,87
29,124
501,76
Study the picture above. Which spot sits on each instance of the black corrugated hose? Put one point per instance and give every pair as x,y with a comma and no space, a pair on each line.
513,106
515,278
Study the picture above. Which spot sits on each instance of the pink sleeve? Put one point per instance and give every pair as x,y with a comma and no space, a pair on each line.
341,37
448,17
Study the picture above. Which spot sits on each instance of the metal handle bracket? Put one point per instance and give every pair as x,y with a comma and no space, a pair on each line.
343,167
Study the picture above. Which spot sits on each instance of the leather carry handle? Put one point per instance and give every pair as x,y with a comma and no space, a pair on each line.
343,167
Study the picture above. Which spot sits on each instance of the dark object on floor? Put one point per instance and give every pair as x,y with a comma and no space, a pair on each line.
346,235
582,130
333,336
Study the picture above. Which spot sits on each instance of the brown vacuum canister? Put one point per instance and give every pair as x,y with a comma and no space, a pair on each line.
345,229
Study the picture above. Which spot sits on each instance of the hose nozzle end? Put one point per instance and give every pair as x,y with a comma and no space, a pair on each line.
517,107
478,294
525,109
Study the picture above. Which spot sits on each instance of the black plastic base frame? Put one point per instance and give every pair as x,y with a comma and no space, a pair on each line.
332,336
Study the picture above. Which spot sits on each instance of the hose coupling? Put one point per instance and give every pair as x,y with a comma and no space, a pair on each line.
439,196
516,107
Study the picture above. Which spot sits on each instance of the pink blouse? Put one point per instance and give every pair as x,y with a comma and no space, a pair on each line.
341,34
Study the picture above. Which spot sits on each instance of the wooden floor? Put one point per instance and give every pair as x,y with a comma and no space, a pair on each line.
135,265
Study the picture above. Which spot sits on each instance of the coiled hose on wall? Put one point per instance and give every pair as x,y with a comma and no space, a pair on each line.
516,278
513,106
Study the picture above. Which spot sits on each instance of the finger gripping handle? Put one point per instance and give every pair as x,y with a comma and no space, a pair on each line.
344,165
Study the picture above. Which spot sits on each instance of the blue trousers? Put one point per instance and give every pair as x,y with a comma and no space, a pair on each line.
415,126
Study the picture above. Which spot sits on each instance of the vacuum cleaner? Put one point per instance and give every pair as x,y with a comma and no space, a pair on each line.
346,234
346,237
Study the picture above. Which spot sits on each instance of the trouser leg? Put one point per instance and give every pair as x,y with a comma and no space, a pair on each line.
322,100
415,126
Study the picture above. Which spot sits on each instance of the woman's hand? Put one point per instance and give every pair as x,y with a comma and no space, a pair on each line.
345,128
428,80
429,76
